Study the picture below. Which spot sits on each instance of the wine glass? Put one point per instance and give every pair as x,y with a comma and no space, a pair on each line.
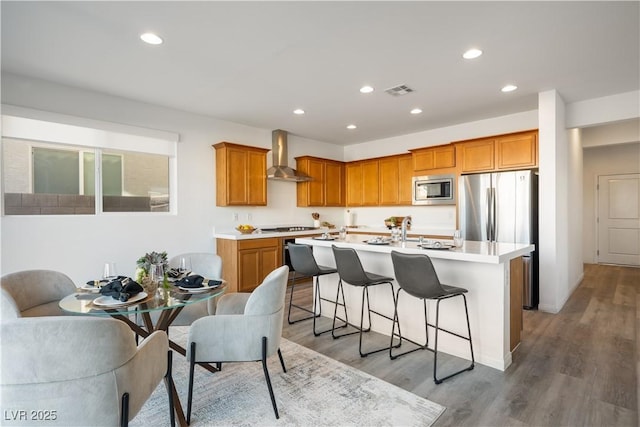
109,271
457,239
185,265
156,273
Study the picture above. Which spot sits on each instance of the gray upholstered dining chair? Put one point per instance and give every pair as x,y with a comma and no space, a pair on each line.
247,327
80,371
208,265
33,293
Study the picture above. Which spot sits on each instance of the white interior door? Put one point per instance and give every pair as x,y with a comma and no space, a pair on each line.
619,219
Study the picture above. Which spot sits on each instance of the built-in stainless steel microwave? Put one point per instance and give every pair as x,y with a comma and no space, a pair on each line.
434,190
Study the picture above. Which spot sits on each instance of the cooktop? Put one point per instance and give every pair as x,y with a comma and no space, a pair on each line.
289,228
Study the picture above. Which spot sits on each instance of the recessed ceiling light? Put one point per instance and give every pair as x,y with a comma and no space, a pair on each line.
472,54
351,126
150,38
366,89
509,88
298,111
416,111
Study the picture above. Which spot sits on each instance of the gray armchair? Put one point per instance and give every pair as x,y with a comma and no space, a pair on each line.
246,328
80,371
34,293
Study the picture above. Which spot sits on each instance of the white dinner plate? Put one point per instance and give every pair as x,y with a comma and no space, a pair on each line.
108,301
442,247
90,288
378,242
204,288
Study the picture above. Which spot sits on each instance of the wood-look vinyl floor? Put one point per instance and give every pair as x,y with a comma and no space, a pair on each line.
580,367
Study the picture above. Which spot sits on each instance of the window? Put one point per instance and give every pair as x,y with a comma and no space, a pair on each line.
53,178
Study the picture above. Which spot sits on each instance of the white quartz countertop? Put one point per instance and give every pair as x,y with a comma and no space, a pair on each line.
233,234
471,251
236,235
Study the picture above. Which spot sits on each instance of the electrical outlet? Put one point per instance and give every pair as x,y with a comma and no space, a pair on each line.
235,216
249,217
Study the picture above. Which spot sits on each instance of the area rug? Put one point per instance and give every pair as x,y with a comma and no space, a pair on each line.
315,391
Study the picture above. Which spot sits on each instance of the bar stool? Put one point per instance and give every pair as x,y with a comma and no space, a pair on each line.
304,264
416,276
350,271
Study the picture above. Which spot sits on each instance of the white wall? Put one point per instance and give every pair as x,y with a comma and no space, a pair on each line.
611,134
79,245
607,109
574,212
603,160
553,234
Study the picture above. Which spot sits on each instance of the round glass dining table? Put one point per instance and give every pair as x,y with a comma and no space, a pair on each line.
168,303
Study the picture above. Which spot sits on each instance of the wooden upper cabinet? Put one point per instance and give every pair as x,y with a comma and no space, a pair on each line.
354,183
389,178
476,156
327,187
395,174
362,183
512,151
334,182
241,175
517,151
439,157
370,183
405,179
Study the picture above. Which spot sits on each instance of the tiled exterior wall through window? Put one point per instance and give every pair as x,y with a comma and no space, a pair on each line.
69,204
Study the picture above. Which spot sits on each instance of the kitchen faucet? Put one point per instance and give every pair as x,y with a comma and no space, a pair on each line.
406,221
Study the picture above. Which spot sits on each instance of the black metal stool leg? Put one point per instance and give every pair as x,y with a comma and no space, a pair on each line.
435,356
420,346
291,304
317,308
365,291
346,317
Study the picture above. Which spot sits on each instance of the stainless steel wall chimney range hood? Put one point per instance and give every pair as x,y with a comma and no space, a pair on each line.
280,170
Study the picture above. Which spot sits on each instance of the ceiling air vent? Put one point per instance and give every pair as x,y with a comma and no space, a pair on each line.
399,90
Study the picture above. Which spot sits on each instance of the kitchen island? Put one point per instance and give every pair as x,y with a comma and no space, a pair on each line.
492,272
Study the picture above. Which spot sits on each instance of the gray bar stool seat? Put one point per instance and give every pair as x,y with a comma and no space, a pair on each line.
304,265
416,276
351,272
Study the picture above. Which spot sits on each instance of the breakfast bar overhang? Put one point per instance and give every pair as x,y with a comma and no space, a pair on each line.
491,272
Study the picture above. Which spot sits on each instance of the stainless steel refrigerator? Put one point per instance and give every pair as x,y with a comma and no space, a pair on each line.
503,207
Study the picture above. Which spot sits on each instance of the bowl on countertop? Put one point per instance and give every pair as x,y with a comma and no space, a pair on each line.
246,230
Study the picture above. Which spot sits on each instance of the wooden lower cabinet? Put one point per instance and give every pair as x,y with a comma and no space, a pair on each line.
515,290
245,263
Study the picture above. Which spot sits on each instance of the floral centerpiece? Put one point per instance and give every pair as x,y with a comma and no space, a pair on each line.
143,270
